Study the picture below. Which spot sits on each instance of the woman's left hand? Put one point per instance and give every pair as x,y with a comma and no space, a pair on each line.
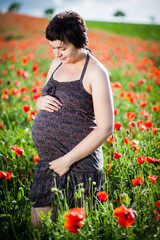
60,166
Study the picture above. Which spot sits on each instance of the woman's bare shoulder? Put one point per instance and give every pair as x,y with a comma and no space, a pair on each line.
96,69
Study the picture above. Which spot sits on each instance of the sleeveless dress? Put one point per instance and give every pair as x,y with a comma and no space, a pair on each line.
55,134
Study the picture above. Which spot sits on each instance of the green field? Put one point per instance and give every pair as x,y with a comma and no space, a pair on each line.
144,31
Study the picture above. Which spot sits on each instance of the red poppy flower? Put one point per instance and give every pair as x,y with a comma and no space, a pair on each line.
148,124
138,181
155,108
152,160
110,139
1,125
24,89
140,160
144,113
130,84
156,214
153,178
116,85
4,96
32,115
74,219
36,158
35,68
127,140
154,130
103,196
13,148
19,151
143,104
26,108
125,216
139,122
6,175
117,155
122,94
131,124
131,115
158,203
25,60
118,126
115,111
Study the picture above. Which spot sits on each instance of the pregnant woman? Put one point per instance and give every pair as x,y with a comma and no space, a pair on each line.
75,116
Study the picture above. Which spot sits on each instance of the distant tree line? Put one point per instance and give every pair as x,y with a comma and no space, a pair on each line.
15,7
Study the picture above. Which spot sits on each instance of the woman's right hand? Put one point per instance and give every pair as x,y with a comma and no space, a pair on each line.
48,103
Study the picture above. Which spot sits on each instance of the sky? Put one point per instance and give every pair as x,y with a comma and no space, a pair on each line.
136,11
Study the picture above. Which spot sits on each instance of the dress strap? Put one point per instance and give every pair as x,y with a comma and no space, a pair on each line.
85,66
56,69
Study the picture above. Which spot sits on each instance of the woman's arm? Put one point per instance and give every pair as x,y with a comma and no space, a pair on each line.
104,114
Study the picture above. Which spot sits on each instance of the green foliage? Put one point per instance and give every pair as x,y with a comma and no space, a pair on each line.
119,14
49,12
14,7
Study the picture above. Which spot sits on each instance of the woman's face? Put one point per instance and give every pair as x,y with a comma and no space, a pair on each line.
66,52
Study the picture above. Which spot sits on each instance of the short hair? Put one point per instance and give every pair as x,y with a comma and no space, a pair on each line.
68,26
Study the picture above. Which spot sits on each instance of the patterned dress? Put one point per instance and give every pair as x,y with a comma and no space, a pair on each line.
55,134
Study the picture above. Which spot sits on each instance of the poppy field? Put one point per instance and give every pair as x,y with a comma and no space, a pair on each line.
128,207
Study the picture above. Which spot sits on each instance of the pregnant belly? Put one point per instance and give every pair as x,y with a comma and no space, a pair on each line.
55,134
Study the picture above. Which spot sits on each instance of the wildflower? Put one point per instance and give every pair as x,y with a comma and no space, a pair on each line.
152,160
1,125
116,85
74,219
115,111
131,124
154,130
143,104
156,214
117,155
36,158
155,108
26,108
24,89
122,94
110,139
4,96
32,115
144,113
152,178
158,203
6,175
118,126
34,68
130,84
141,81
19,151
25,60
103,196
131,115
140,160
125,216
138,181
148,124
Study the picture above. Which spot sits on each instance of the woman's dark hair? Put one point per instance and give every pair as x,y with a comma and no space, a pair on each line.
68,26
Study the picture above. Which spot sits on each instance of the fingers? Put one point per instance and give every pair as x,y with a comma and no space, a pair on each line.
49,104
